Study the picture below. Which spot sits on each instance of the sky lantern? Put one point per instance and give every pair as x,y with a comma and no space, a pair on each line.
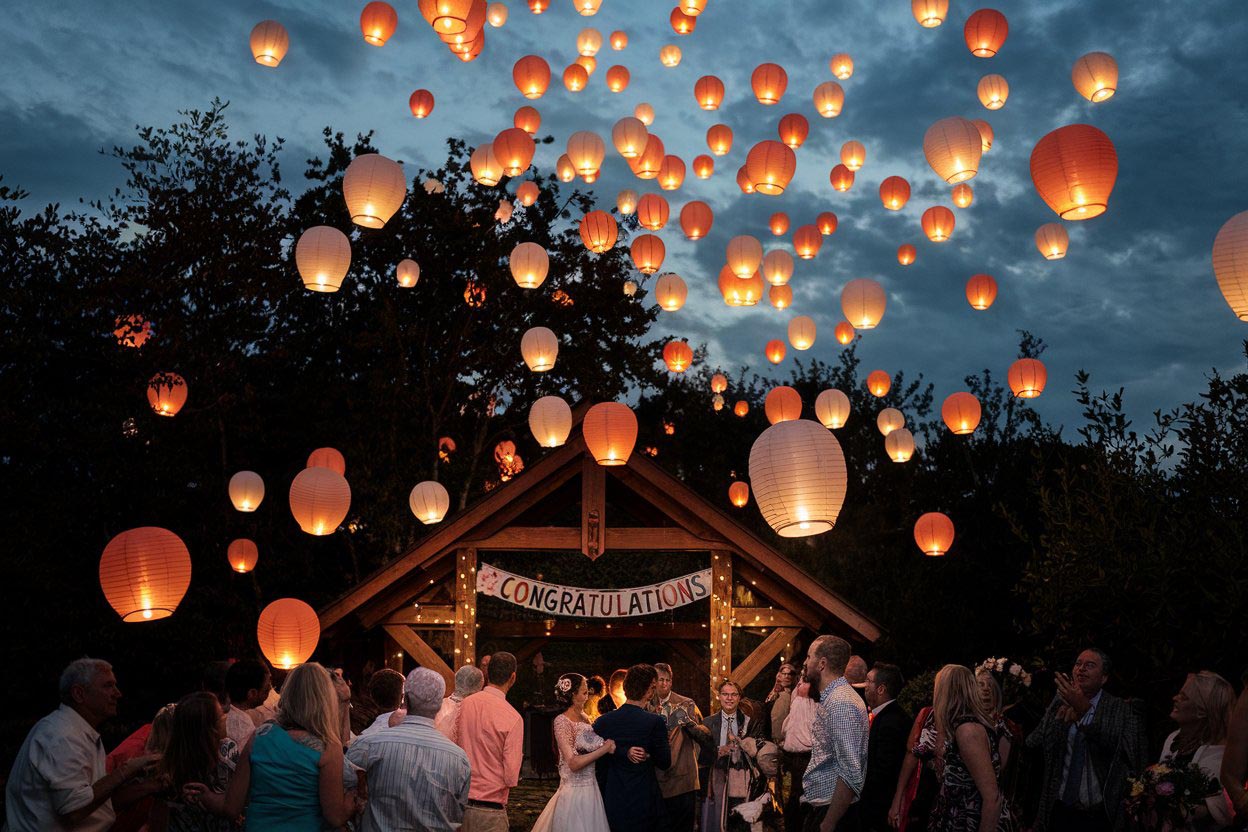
934,534
739,494
985,32
879,383
703,166
496,13
677,355
953,147
894,193
588,62
644,113
783,404
586,150
485,165
781,297
741,408
827,223
829,99
619,40
682,24
550,420
539,347
793,130
242,555
564,168
514,149
378,22
1052,240
740,291
598,231
709,92
528,119
863,302
745,255
670,292
374,188
778,223
985,133
648,252
961,412
719,139
775,351
981,291
531,75
166,393
853,155
899,445
842,65
1027,377
319,500
421,103
669,55
962,195
696,219
269,42
587,8
588,42
132,330
652,212
671,173
938,223
575,77
246,490
626,201
769,82
842,178
890,419
906,254
843,332
527,193
529,264
538,6
693,8
801,332
1230,263
629,137
717,402
807,240
447,17
330,458
770,166
798,473
719,383
407,273
743,181
992,91
1074,169
778,267
617,78
832,408
429,501
505,211
1095,76
288,631
650,162
144,573
610,431
930,13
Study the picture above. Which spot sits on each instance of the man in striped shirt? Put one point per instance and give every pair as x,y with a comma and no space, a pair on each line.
417,778
838,755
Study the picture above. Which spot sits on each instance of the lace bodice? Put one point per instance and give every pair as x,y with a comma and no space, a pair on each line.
571,739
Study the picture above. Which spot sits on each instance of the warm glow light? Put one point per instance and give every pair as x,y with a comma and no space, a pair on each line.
539,346
933,532
879,383
961,412
144,573
863,302
288,631
981,291
1027,377
610,432
1074,169
842,65
832,409
246,490
1230,263
429,501
1052,241
798,474
319,500
1095,76
550,420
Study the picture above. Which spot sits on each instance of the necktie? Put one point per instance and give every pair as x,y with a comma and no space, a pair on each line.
1074,778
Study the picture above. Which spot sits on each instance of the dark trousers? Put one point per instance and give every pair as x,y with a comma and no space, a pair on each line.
816,814
1071,819
795,764
679,812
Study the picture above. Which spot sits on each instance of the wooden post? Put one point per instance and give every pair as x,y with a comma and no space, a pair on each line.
465,630
593,508
721,620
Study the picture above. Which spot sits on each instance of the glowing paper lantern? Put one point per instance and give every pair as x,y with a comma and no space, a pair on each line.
696,219
832,408
575,78
1027,377
961,412
770,166
783,404
671,173
588,42
144,573
626,201
1095,76
677,355
669,55
610,432
709,92
879,383
319,500
743,181
938,223
703,166
769,82
827,223
550,420
652,212
644,113
842,65
778,267
374,188
899,445
531,75
529,264
793,130
421,103
619,40
842,178
648,252
670,292
719,383
741,408
650,162
629,137
853,155
953,147
829,99
934,534
486,168
514,149
985,133
587,8
778,223
1052,241
586,150
246,490
807,240
843,332
745,255
527,193
775,351
564,168
906,254
330,458
736,291
378,22
802,332
985,32
242,555
429,500
1074,169
981,291
863,302
781,297
269,42
739,494
166,393
682,24
992,91
539,347
538,6
598,231
288,632
132,330
929,13
693,8
618,78
894,193
962,195
889,420
496,13
799,478
719,139
1230,263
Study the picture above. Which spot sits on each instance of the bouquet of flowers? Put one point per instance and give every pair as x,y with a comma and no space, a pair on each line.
1163,796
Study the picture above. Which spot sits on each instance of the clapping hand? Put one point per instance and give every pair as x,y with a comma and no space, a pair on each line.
1071,694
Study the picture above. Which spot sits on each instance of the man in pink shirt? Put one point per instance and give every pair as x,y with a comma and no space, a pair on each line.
491,732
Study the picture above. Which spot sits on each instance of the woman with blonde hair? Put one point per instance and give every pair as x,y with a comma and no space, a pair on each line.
970,798
289,775
1202,710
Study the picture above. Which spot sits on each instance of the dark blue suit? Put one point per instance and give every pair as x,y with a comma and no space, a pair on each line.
630,791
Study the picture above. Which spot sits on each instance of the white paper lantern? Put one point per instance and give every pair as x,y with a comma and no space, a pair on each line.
246,490
429,501
798,474
540,347
832,408
550,419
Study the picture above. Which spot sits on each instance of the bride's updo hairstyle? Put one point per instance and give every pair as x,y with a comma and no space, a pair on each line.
566,688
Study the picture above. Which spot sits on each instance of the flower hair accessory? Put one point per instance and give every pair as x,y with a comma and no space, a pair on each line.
563,685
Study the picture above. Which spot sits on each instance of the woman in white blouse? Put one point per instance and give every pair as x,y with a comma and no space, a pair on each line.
1202,710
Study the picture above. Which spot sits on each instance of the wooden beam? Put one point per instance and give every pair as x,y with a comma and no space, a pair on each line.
562,538
429,617
764,617
806,613
414,586
721,619
593,508
521,538
465,578
393,653
771,647
423,654
569,630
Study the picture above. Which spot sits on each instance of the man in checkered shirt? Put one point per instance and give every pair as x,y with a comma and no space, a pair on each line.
838,757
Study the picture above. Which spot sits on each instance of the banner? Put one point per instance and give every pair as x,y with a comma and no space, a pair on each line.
578,602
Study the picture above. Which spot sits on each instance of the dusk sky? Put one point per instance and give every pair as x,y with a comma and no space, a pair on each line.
1134,302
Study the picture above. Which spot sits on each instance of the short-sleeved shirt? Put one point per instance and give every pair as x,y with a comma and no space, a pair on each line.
838,744
53,775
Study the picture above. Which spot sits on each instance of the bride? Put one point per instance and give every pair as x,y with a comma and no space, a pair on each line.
577,805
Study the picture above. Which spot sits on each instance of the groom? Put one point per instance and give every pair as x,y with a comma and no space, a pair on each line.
630,785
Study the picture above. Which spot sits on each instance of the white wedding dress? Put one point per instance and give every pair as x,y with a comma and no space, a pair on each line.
577,805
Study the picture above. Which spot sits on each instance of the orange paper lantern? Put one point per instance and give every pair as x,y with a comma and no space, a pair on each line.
879,383
496,13
793,130
929,13
783,404
981,291
709,92
993,90
703,166
626,201
144,573
933,532
832,409
807,240
610,432
527,193
962,195
531,75
953,147
682,24
670,292
719,383
669,55
166,393
778,223
719,139
961,412
588,42
1230,263
741,408
827,223
770,166
564,168
529,264
645,113
863,302
739,494
1095,76
421,103
781,297
1074,169
629,136
829,99
775,351
843,332
743,181
738,291
938,223
889,420
648,252
618,78
652,212
269,42
242,555
1027,377
894,193
407,273
514,149
319,500
378,22
650,162
769,82
288,631
575,77
539,347
486,167
778,267
696,219
985,133
842,65
853,155
677,355
906,254
1052,241
374,188
598,231
745,255
671,173
899,445
528,119
985,32
246,490
586,151
842,178
802,332
330,458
